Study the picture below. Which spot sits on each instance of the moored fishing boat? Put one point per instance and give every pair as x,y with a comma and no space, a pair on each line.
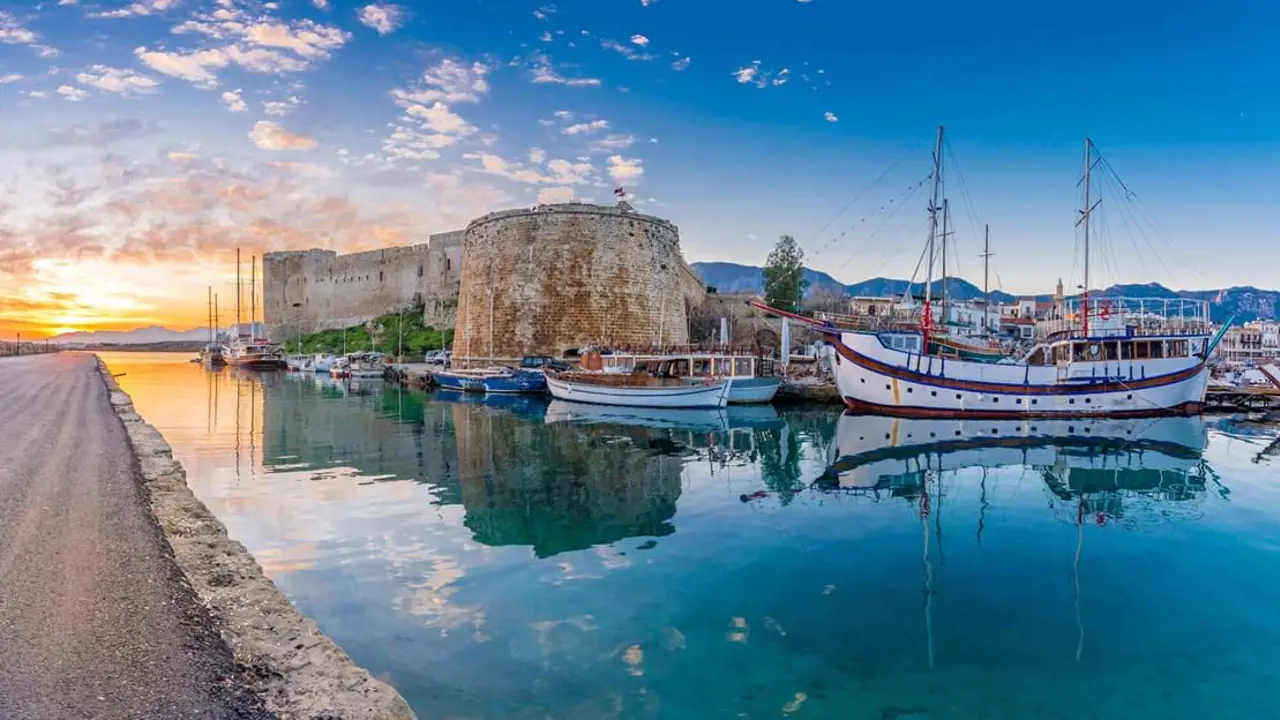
638,389
754,377
366,365
255,355
299,363
492,380
322,363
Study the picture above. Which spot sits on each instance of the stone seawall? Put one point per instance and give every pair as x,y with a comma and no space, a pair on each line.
552,279
301,672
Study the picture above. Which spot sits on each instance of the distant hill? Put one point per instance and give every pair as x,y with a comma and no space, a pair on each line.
137,336
1246,302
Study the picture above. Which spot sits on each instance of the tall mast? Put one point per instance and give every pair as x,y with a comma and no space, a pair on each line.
986,277
238,292
946,222
208,311
933,214
1086,210
253,298
215,317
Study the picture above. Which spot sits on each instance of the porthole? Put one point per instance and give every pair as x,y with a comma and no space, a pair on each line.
957,396
1073,401
935,393
909,390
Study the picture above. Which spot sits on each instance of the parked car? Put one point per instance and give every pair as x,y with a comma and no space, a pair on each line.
542,362
439,357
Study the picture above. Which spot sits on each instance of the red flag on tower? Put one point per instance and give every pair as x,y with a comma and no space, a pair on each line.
620,192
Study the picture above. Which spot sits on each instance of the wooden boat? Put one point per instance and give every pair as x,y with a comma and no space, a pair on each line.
1112,357
255,355
637,390
366,365
754,377
492,380
711,419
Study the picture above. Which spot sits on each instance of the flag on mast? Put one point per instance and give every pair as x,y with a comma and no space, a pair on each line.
620,191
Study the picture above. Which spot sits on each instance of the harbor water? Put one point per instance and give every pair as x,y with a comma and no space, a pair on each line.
518,558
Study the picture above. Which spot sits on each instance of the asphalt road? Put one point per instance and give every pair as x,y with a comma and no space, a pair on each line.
95,618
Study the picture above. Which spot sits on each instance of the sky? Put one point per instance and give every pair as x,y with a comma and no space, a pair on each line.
143,141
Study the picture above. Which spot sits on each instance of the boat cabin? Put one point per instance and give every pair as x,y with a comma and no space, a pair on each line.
693,365
1063,352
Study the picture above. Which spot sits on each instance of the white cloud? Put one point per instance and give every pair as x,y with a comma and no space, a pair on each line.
681,65
280,108
71,93
194,66
67,2
753,75
544,73
746,74
562,172
179,156
13,32
831,117
585,128
560,194
270,136
537,156
11,77
613,143
546,36
383,17
622,169
261,45
37,94
140,8
321,4
429,123
262,60
564,115
640,40
116,80
233,101
627,51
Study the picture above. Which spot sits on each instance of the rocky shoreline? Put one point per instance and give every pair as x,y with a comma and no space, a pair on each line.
297,670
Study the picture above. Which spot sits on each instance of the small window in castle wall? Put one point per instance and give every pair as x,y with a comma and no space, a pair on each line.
379,276
419,271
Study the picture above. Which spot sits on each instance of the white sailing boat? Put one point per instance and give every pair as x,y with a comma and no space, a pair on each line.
1103,357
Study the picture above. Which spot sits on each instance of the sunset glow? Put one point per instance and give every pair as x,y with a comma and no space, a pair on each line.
144,141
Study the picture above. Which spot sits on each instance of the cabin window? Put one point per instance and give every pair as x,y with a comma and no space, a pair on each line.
1142,350
1126,351
742,366
1113,350
701,368
724,366
1177,348
1157,349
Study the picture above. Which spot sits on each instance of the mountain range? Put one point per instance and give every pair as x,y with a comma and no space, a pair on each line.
136,336
1245,302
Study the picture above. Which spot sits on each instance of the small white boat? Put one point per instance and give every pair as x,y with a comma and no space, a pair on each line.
366,365
755,378
322,363
637,391
697,419
299,363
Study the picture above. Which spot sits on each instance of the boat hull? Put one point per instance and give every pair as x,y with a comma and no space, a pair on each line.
753,391
713,395
257,363
520,383
874,379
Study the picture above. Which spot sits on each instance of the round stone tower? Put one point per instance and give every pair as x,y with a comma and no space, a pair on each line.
556,278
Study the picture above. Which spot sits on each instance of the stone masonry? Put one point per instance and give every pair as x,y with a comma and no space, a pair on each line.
310,290
555,278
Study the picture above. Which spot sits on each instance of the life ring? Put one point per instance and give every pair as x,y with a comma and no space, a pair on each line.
1105,312
1094,349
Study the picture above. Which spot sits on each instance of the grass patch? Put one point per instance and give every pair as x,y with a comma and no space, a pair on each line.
385,337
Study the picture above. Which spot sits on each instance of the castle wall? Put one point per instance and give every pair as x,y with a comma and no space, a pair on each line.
310,290
559,277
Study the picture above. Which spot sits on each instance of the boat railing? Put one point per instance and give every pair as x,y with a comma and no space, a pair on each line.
895,320
741,350
1126,317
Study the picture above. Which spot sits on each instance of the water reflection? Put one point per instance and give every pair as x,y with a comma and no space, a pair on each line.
510,557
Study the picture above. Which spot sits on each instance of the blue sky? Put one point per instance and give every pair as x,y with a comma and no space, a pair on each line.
145,139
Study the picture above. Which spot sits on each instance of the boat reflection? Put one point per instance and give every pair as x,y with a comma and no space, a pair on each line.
1161,457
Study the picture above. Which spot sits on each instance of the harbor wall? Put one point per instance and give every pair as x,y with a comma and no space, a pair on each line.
310,290
555,278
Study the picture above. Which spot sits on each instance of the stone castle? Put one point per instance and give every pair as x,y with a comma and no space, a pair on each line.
541,281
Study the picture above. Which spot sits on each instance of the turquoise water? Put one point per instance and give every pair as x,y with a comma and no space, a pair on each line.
520,559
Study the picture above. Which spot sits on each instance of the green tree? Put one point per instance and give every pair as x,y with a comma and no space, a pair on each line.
784,280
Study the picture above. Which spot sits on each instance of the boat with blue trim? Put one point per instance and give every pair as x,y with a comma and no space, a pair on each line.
492,380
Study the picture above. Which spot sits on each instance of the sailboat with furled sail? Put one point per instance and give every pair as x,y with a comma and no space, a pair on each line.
250,350
1100,356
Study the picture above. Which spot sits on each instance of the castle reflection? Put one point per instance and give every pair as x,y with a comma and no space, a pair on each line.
553,477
